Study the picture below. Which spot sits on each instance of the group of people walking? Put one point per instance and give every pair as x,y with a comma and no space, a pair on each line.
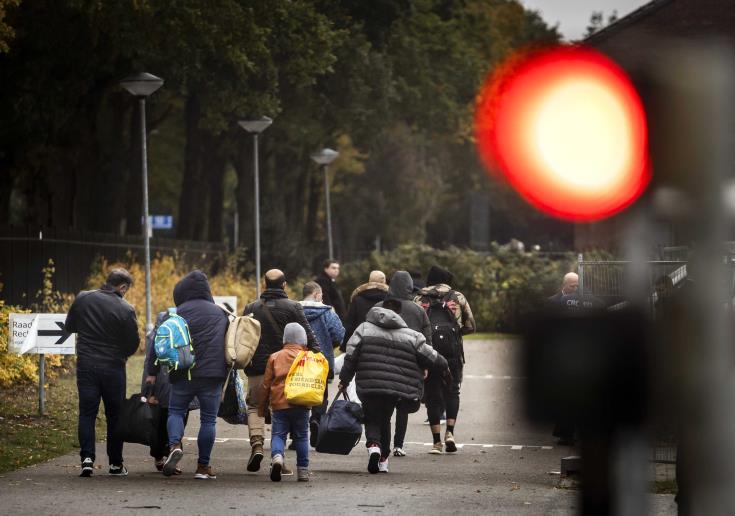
402,345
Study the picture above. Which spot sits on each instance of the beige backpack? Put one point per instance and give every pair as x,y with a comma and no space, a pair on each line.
241,340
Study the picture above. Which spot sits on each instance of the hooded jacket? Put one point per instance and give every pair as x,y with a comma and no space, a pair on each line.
362,300
401,288
388,358
331,294
327,328
272,390
106,328
207,325
284,311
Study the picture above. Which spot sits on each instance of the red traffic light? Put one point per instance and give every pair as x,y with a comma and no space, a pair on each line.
566,128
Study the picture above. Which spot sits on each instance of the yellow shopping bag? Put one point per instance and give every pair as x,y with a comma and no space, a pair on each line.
307,379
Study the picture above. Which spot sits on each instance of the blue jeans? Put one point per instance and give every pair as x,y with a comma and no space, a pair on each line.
108,384
209,392
295,421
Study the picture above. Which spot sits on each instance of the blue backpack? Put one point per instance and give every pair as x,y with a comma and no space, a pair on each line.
172,343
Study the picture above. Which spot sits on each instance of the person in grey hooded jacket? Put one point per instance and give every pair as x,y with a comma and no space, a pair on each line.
401,289
388,360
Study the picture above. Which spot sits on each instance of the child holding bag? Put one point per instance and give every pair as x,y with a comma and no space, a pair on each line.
287,417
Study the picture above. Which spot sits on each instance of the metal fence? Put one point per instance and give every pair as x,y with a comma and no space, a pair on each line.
25,251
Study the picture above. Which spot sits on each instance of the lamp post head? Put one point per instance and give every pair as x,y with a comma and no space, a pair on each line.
324,156
142,84
256,126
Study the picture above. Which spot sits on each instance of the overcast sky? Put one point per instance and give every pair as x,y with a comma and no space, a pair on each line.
573,16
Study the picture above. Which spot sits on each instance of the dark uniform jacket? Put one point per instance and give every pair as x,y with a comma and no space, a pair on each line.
363,299
331,295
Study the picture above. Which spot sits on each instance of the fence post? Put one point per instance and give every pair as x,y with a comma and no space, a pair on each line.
580,273
41,386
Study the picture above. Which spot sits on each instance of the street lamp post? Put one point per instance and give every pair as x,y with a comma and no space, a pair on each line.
323,158
255,127
141,85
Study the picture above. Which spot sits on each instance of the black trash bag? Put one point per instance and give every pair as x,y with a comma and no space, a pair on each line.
341,427
138,421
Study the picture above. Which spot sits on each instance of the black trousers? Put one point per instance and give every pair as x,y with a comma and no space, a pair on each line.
439,396
378,411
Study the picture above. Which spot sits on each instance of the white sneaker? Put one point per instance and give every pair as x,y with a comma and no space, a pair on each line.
437,449
399,452
374,454
383,466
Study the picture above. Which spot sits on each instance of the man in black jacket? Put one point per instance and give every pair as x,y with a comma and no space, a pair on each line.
327,279
107,334
363,298
274,310
401,290
207,326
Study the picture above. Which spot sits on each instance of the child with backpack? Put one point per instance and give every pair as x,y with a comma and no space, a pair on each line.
286,418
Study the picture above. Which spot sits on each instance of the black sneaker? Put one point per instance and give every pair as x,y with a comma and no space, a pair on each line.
87,467
313,433
118,471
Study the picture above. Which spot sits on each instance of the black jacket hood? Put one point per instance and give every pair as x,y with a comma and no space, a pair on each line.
437,276
192,286
401,286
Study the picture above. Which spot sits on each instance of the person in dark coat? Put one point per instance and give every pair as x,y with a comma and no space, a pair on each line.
207,326
327,279
388,360
569,286
401,289
363,298
274,310
107,334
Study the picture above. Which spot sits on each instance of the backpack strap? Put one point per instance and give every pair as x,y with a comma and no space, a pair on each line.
272,319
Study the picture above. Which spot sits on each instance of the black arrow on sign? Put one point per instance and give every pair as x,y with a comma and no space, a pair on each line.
229,308
61,333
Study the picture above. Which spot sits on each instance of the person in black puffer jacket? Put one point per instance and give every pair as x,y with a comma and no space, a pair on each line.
401,289
363,298
274,310
388,360
207,325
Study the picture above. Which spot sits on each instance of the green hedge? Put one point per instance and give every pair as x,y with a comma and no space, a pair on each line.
501,285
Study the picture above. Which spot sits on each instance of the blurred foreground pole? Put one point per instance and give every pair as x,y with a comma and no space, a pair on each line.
697,158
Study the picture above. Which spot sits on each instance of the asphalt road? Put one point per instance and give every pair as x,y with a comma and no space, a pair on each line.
503,467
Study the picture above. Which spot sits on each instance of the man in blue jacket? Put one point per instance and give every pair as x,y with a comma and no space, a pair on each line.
107,334
329,332
207,326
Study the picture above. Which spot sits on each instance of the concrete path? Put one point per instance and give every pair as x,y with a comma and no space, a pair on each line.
504,467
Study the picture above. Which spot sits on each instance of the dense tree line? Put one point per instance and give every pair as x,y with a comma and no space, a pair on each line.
390,84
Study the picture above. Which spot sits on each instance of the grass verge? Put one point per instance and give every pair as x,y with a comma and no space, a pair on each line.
491,336
27,438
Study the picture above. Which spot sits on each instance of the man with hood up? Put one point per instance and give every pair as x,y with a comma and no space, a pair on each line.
401,289
207,326
451,318
329,332
363,298
388,360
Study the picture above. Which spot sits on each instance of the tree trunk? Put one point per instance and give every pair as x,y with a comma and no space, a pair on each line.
193,196
312,205
243,163
214,172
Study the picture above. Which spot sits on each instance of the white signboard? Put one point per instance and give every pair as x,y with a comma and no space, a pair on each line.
229,303
40,334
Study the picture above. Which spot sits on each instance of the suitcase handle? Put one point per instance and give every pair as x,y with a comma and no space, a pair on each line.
343,393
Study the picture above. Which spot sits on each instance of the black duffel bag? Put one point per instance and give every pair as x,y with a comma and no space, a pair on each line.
138,421
340,428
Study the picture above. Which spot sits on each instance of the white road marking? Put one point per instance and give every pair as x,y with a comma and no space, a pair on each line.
514,447
492,377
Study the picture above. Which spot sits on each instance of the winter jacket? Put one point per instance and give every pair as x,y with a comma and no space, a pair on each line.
362,300
388,358
457,304
327,329
401,288
283,311
207,325
274,379
331,295
106,328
